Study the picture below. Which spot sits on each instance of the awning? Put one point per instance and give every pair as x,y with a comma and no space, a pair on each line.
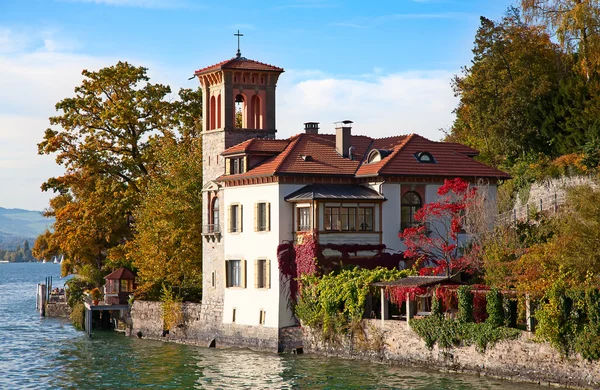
334,192
417,281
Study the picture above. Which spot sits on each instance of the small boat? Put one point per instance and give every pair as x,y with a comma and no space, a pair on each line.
56,260
44,262
62,258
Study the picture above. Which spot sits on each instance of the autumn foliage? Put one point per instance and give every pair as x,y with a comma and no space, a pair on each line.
434,242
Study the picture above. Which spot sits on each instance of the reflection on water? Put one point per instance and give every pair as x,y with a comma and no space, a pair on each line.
48,353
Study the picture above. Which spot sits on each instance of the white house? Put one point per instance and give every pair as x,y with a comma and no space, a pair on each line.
260,192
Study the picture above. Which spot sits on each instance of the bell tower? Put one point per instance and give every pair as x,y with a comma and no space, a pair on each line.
238,103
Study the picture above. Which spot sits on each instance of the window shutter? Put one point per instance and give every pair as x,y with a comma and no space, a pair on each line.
229,220
227,273
240,219
267,273
243,273
256,218
268,216
227,166
245,164
255,273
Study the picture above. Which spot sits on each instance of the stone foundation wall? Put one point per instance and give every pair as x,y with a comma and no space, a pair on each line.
522,359
57,310
201,326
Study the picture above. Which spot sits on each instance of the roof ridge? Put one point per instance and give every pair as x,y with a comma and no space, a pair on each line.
396,151
478,162
287,151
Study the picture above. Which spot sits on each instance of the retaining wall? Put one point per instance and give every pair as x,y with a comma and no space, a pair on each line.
199,326
522,359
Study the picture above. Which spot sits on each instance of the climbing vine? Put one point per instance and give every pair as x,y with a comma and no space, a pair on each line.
335,303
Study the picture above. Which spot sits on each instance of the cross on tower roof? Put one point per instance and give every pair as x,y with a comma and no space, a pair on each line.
238,35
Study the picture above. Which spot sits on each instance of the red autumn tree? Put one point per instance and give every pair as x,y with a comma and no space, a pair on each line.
434,243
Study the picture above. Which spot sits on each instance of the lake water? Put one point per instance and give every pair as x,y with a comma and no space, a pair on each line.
47,353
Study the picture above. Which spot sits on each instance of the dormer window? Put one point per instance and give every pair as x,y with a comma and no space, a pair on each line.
377,155
235,166
425,158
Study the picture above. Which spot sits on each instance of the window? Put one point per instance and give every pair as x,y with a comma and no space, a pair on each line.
365,218
236,166
126,285
332,218
349,218
262,217
425,157
261,318
303,219
214,217
235,271
410,203
235,218
262,273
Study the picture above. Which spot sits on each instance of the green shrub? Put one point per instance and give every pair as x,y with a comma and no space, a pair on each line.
465,304
78,315
494,308
436,307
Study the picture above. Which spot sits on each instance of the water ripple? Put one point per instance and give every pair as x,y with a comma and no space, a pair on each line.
47,353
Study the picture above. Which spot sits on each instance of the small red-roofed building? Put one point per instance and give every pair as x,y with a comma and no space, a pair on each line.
260,192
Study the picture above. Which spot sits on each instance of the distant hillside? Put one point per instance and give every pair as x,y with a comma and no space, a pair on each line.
17,225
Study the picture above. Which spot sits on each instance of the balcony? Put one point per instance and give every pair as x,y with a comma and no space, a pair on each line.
212,232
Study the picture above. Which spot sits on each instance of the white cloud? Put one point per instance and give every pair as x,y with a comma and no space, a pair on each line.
380,106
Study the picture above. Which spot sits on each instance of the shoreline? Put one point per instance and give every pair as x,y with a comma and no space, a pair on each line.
388,342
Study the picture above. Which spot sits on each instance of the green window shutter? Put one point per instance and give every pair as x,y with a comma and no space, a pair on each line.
256,262
227,273
268,216
229,219
240,219
256,218
267,273
243,273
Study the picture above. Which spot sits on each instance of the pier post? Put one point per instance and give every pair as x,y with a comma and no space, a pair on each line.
385,307
41,299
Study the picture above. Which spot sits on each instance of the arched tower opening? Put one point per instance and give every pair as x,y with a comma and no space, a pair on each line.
256,111
240,120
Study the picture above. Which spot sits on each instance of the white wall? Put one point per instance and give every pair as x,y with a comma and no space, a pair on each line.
250,245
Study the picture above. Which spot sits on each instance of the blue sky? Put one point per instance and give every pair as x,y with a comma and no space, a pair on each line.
385,64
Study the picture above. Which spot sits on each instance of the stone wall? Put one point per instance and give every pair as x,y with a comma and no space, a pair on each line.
549,194
522,359
57,310
200,327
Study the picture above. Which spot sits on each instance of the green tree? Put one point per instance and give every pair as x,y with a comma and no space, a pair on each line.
105,139
575,23
505,95
167,248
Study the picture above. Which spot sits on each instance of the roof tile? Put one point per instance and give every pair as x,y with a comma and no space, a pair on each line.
240,63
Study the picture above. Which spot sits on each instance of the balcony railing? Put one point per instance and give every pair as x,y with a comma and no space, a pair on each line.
211,229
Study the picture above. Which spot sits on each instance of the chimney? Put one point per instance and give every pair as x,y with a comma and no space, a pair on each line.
311,127
342,137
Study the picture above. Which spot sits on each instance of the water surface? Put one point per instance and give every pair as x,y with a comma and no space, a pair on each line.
48,353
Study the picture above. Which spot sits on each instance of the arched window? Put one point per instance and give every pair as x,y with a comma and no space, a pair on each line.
410,203
214,217
239,119
213,110
219,111
256,113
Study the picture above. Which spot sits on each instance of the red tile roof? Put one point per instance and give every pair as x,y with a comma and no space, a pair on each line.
121,274
256,145
315,154
240,63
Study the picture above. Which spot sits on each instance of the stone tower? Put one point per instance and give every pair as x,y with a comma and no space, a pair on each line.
238,103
